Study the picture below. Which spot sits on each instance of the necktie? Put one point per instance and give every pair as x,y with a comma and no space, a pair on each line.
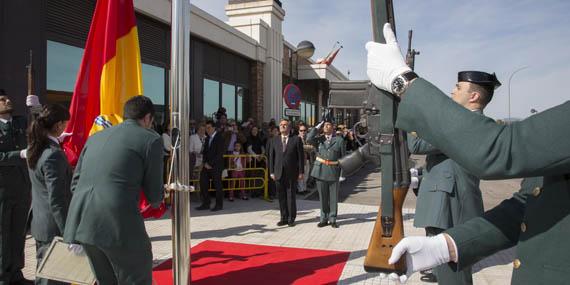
284,140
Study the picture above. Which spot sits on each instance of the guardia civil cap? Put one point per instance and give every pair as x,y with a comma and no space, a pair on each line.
479,78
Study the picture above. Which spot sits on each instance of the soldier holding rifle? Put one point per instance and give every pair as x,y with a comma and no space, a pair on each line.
15,195
538,146
449,195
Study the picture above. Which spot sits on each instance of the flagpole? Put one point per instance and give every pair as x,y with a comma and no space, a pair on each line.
180,113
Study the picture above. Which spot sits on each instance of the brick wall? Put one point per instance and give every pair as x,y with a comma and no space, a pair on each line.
255,106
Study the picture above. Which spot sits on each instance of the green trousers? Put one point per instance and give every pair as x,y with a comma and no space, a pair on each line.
328,194
13,217
120,265
444,274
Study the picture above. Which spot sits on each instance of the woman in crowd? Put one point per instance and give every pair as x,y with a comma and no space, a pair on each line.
256,146
50,175
237,165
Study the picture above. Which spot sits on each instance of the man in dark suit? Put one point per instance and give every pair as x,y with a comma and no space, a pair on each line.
212,166
286,167
104,216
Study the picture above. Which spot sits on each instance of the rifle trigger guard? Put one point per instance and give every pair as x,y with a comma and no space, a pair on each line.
387,226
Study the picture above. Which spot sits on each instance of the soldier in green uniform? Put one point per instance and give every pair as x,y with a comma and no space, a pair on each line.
15,196
449,195
539,226
326,171
103,216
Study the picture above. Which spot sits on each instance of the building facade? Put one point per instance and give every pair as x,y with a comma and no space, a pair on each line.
242,65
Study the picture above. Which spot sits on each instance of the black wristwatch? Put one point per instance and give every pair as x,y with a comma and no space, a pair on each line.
401,83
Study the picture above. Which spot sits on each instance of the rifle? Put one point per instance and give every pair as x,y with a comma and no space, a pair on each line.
389,145
411,53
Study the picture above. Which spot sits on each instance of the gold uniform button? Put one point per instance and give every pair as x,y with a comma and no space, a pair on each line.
536,191
516,263
523,227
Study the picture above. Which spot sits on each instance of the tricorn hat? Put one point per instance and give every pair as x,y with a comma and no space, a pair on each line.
479,78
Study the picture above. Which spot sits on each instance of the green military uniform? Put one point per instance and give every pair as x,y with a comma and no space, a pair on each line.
14,199
537,146
448,196
327,176
104,217
51,195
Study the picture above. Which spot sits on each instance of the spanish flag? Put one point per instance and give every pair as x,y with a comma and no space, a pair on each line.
110,74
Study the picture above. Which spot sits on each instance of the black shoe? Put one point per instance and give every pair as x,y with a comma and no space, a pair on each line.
281,223
322,224
291,224
216,208
334,225
203,207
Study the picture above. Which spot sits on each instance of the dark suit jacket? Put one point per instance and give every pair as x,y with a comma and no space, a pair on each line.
51,193
113,167
290,161
213,153
537,146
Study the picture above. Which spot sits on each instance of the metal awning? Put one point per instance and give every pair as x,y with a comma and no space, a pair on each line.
348,94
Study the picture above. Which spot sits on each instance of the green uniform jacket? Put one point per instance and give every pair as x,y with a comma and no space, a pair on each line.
448,194
536,146
113,168
329,151
51,193
14,179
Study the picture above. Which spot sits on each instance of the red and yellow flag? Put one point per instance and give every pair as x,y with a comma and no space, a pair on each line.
110,74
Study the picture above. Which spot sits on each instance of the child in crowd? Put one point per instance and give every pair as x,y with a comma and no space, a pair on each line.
238,164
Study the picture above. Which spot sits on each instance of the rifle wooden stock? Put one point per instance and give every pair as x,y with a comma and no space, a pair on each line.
30,75
380,247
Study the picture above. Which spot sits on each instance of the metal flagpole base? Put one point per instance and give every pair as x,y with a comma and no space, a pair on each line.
180,197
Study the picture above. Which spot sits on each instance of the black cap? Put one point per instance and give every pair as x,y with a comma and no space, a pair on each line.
480,78
3,92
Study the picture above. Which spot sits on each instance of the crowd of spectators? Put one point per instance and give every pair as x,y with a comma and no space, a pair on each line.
247,137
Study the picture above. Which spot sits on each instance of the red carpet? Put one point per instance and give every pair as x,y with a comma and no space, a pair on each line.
215,262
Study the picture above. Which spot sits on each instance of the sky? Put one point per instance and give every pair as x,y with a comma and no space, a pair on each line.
521,40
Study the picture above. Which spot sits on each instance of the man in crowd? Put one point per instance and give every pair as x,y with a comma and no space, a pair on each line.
537,224
286,168
104,217
449,195
212,167
326,169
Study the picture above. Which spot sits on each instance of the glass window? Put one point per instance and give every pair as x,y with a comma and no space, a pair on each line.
311,114
229,99
211,97
240,96
153,83
63,63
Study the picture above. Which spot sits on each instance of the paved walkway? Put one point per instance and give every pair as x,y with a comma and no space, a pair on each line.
254,222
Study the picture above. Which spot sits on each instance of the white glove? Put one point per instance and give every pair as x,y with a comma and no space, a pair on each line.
32,101
24,153
415,181
77,249
385,61
421,253
63,135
